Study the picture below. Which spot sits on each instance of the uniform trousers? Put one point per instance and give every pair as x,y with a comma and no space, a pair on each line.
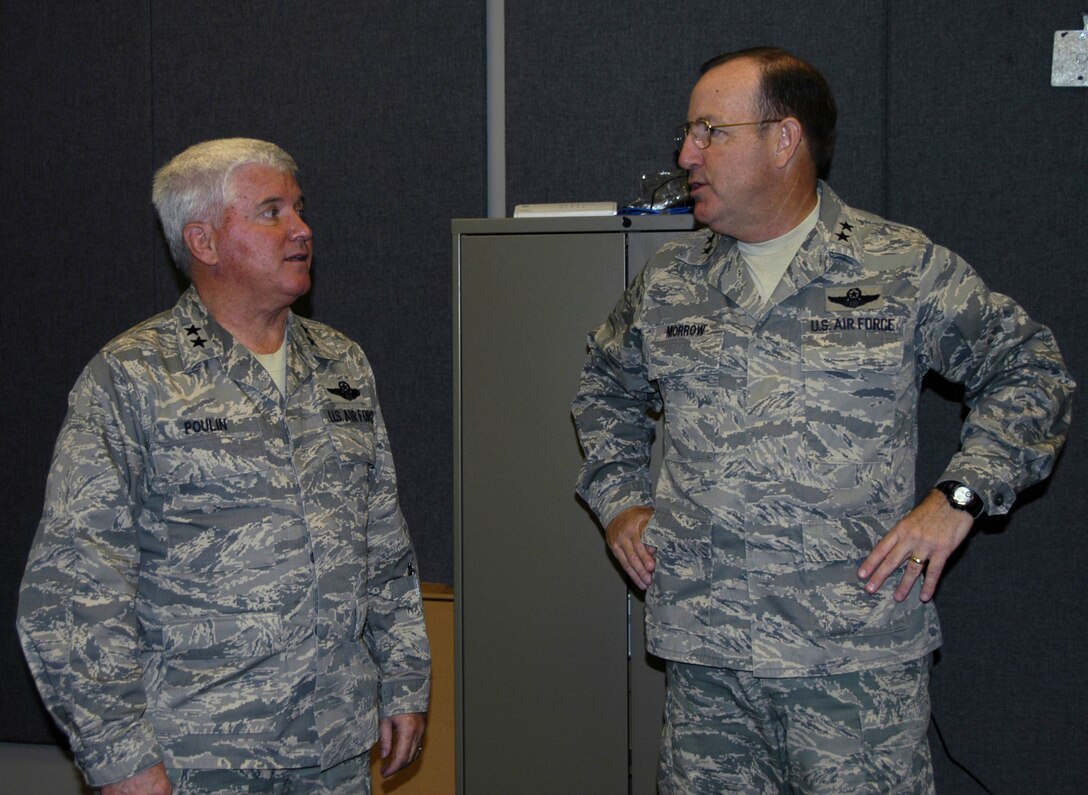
351,777
727,731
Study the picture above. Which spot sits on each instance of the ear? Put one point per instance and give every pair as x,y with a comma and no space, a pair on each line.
199,238
789,138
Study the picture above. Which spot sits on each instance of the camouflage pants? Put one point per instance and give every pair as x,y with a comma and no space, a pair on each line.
731,732
347,778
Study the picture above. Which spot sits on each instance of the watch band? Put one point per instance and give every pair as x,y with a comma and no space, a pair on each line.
961,497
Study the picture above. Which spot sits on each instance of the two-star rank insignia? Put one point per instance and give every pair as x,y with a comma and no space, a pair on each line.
845,229
194,332
344,390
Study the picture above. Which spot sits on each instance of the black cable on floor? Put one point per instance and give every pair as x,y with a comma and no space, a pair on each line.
953,760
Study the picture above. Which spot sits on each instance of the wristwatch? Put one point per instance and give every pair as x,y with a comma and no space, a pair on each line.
961,497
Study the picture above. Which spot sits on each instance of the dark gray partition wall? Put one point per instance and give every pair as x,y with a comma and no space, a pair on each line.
595,91
82,260
382,104
991,160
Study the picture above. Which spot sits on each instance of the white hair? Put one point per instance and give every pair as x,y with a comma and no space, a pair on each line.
195,185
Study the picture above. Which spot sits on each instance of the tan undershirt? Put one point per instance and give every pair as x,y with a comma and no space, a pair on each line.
276,365
767,261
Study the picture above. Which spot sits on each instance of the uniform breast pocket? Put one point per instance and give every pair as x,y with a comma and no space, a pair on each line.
696,375
354,446
852,383
214,487
352,464
687,353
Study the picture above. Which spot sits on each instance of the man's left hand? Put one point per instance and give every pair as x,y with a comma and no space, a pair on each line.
930,534
401,741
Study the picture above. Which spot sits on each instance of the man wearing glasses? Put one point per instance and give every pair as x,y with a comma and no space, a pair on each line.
786,344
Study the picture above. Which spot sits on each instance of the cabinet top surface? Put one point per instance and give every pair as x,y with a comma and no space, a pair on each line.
608,223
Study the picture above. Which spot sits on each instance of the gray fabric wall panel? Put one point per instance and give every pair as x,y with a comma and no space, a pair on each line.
989,159
78,232
595,91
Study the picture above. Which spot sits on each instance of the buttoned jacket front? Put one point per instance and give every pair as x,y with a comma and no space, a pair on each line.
222,576
791,434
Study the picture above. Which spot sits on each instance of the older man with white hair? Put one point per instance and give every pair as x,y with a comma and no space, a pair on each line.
222,595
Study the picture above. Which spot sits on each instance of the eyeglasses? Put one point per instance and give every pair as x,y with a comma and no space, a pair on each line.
700,130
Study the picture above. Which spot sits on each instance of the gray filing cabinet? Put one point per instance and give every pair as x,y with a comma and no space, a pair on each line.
548,698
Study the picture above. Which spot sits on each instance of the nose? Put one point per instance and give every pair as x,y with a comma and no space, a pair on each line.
300,230
690,154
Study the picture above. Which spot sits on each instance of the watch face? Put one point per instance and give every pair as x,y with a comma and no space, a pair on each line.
962,495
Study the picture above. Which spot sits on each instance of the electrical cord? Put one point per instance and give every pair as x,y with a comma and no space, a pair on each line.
953,760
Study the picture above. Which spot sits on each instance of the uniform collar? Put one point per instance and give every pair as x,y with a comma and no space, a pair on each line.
838,229
201,338
836,234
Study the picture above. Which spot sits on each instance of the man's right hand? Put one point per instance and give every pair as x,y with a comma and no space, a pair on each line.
624,536
152,781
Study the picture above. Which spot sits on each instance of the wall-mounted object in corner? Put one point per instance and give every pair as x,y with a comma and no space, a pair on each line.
1071,57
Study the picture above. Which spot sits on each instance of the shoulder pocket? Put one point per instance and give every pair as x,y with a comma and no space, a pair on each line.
349,469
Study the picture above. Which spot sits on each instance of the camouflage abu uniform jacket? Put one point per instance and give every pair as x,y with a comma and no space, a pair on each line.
791,434
222,577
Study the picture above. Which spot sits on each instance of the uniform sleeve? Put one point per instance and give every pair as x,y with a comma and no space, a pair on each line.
395,632
612,414
76,617
1016,385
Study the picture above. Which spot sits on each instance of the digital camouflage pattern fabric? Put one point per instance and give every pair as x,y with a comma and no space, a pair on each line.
222,576
791,434
860,732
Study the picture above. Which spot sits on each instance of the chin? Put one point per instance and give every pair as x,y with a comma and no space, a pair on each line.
700,213
302,287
